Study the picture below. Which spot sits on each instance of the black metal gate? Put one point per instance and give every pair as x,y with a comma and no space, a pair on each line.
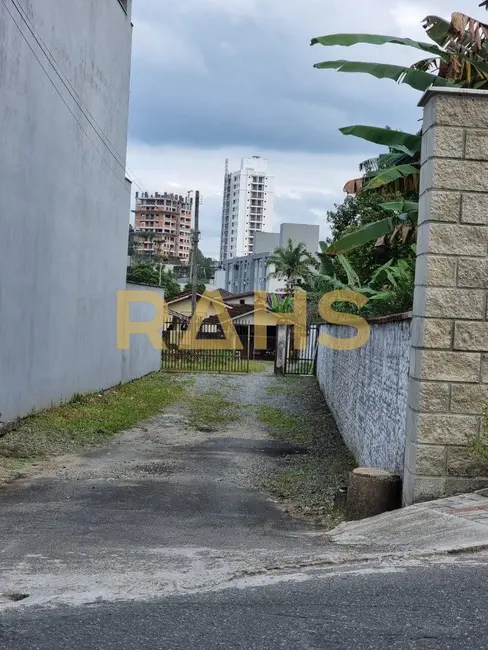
209,359
301,361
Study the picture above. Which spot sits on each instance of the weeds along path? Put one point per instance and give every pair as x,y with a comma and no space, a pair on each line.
186,500
281,435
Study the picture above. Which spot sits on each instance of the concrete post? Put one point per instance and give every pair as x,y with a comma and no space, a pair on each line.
281,340
448,382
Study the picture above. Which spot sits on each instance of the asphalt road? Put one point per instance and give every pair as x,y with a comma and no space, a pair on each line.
439,606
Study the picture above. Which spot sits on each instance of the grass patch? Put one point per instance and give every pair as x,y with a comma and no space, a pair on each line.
307,483
302,490
292,428
259,366
293,386
88,420
211,409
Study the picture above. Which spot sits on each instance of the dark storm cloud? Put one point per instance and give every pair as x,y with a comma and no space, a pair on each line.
215,80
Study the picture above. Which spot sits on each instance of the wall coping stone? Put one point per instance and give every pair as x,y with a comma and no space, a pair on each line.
452,91
379,320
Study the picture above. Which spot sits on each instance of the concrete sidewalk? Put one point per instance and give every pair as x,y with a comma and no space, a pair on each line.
445,525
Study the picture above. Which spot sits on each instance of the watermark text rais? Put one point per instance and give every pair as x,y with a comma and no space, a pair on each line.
212,303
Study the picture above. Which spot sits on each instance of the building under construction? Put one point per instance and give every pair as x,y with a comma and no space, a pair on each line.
163,226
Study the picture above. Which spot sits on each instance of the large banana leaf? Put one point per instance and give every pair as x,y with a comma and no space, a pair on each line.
438,30
402,207
414,78
363,235
405,142
386,176
394,159
352,276
384,272
442,32
346,40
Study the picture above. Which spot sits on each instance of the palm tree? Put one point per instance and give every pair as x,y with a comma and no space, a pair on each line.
292,264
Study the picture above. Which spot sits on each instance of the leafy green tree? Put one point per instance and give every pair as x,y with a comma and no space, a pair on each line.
149,274
356,213
200,287
292,264
205,267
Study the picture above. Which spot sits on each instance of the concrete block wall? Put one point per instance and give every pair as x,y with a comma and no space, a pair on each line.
366,390
448,382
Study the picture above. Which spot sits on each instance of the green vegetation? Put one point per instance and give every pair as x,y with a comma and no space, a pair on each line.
259,366
456,56
87,420
292,264
280,304
284,387
480,446
286,427
303,489
200,287
307,482
205,267
388,290
211,409
148,273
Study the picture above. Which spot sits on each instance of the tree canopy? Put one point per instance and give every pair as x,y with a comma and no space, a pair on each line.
149,274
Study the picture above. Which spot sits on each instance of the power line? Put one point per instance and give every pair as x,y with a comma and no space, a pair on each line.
69,87
63,99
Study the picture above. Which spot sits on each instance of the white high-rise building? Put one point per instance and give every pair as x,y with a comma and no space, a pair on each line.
247,206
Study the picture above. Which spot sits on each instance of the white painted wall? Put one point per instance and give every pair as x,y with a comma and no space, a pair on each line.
64,203
142,358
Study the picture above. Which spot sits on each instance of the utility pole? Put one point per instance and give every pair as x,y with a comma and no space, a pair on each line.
196,238
190,199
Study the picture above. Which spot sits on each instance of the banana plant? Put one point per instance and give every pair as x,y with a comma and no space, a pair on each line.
383,281
280,304
457,56
398,170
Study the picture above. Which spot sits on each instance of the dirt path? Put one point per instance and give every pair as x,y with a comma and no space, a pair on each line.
176,504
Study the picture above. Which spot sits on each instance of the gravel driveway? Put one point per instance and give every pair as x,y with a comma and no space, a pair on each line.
176,504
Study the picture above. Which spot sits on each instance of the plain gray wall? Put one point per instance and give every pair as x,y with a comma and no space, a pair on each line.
265,242
300,233
64,203
142,358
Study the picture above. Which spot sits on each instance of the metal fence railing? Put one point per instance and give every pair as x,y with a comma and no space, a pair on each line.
301,361
209,355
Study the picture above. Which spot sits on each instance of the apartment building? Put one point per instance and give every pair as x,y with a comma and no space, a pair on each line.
163,225
252,272
247,206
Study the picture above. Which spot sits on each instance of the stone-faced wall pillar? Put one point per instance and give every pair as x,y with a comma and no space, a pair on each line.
448,383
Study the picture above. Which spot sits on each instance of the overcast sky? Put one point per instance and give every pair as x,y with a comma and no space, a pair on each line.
216,79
